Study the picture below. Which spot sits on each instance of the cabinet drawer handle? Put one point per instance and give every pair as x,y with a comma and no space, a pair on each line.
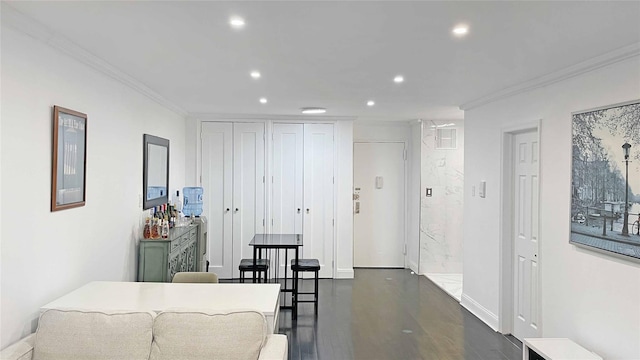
307,211
227,210
237,209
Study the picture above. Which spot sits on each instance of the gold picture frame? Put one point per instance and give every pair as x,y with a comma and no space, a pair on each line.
68,175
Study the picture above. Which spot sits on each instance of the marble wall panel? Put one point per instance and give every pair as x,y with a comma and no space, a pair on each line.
441,214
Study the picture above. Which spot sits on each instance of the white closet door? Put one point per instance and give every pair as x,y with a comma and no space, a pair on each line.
318,196
248,188
526,318
286,208
217,177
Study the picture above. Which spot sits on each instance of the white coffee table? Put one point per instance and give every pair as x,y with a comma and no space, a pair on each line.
556,349
146,296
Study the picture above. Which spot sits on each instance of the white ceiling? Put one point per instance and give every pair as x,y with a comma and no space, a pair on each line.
338,55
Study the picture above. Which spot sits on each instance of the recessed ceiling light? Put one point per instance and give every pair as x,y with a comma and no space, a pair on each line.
313,110
263,100
460,30
236,22
255,74
371,103
398,79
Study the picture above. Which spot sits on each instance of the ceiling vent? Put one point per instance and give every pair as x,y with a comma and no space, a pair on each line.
446,139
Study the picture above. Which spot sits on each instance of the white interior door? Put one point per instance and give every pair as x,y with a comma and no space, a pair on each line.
318,196
248,188
286,208
217,177
525,228
379,210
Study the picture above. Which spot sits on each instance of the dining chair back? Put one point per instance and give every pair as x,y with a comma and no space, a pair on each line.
195,277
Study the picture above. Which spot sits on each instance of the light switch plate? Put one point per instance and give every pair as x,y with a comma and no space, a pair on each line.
379,182
482,191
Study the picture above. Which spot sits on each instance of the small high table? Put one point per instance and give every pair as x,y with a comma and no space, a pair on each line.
279,241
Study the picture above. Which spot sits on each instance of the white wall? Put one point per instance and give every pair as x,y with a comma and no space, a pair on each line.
364,131
344,188
192,152
586,296
48,254
413,243
408,133
441,214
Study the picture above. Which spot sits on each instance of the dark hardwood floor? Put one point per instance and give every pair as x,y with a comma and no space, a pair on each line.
390,314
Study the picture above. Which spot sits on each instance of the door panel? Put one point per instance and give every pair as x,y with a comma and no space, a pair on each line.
217,177
248,188
318,196
288,173
379,222
526,294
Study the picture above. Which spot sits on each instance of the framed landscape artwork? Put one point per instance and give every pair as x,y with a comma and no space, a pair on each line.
605,179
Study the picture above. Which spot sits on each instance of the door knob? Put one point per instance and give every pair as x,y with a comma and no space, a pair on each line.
307,211
298,210
227,210
237,209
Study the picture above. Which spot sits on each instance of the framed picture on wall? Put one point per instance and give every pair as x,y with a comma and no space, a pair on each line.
68,173
605,179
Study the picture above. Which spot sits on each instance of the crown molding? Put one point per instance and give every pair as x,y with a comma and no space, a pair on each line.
557,76
274,117
38,31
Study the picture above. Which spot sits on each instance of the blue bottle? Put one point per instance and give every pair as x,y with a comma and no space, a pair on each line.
192,203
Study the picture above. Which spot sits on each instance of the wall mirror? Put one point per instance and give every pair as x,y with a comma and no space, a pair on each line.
155,171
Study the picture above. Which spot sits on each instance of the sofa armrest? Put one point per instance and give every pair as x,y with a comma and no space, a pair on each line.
22,350
276,348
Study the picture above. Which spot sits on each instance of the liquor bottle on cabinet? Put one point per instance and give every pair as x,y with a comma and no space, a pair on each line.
146,233
165,229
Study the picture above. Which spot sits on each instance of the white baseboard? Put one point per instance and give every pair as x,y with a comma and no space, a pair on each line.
413,266
480,312
344,274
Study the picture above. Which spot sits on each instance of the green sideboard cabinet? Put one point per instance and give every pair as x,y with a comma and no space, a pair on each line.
160,259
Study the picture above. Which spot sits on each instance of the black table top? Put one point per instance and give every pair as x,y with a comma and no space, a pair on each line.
276,240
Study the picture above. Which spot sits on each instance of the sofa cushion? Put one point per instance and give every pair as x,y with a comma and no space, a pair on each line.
96,335
194,335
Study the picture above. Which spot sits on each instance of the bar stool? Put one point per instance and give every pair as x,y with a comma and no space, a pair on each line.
306,265
262,265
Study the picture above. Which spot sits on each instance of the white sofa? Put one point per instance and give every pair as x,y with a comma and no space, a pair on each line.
176,334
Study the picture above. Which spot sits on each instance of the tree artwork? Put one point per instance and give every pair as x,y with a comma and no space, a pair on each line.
603,196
